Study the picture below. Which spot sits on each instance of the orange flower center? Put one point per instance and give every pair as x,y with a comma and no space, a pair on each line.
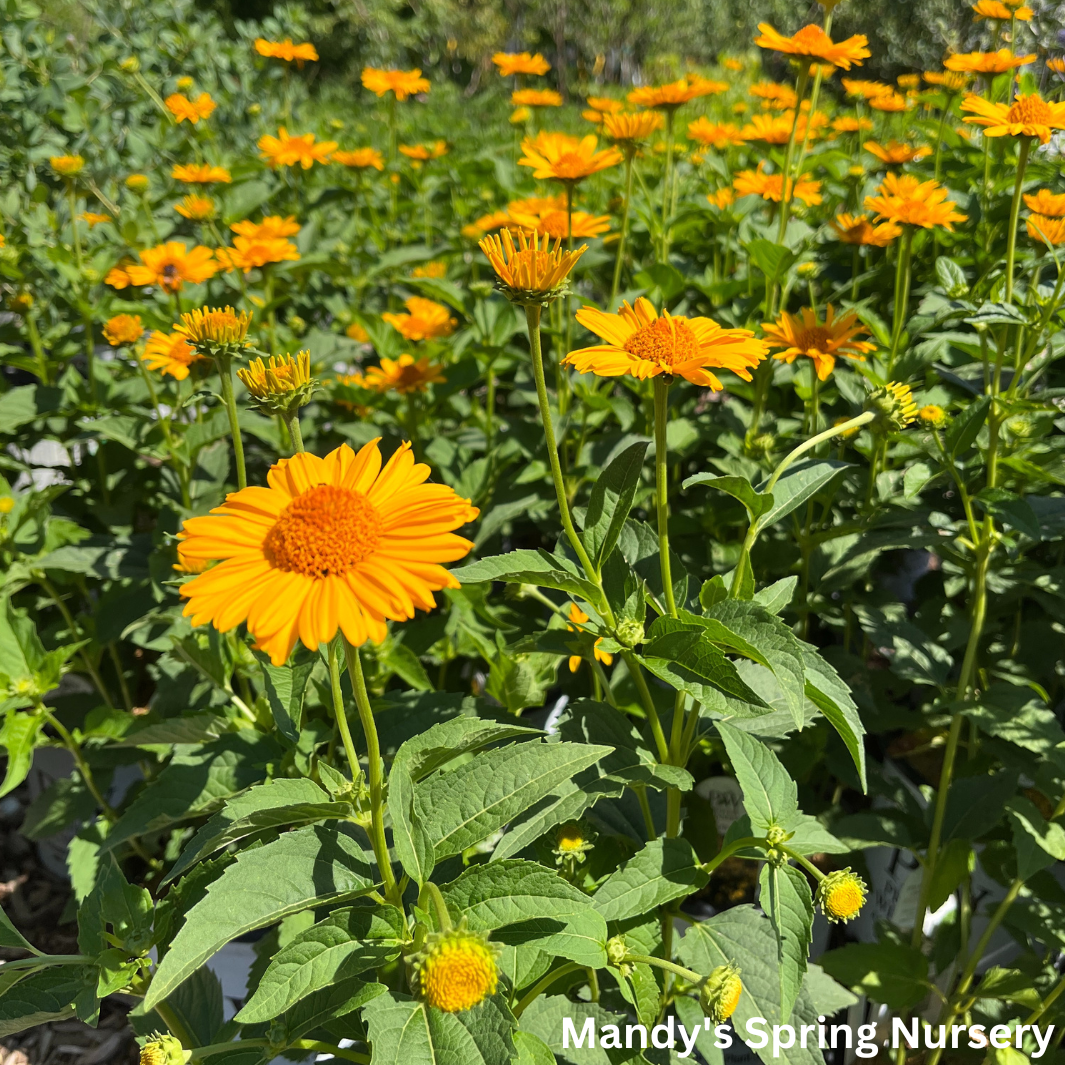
809,37
326,531
570,166
816,338
1030,111
666,341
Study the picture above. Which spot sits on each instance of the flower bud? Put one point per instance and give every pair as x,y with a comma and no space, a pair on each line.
616,951
164,1050
841,895
630,632
456,970
720,993
932,416
282,385
572,842
218,332
894,407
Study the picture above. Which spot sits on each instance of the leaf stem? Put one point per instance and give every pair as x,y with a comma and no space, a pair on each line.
1015,207
544,983
225,376
662,488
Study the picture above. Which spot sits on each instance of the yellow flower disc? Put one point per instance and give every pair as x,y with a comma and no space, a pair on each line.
841,895
459,971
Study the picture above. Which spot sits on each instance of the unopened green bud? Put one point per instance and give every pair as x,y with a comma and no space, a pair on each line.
894,407
720,993
164,1050
630,632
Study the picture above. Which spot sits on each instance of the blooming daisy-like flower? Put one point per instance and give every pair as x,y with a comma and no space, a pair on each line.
332,543
629,130
579,619
934,416
890,103
182,108
123,329
986,62
511,63
852,229
1027,116
434,269
675,93
565,158
642,344
457,970
895,154
282,384
719,994
909,81
487,223
95,218
530,273
951,80
995,9
248,253
195,207
425,320
360,159
170,354
1046,202
605,105
771,186
803,334
272,227
286,50
211,330
851,124
357,333
536,98
137,182
537,205
906,200
286,150
559,225
403,83
866,90
715,134
776,129
422,153
67,165
722,198
841,895
201,174
171,265
774,95
812,41
1057,65
403,375
1046,229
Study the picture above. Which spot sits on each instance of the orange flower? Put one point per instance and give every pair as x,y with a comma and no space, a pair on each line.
986,62
605,105
434,269
776,129
951,80
579,619
995,9
531,272
735,65
94,218
487,223
170,354
857,229
426,320
895,154
67,165
403,375
403,83
422,153
891,102
1028,116
867,90
906,200
201,174
536,98
182,108
557,225
510,63
565,158
118,276
909,81
775,96
641,344
1046,230
537,205
360,158
1046,202
629,129
271,227
123,329
851,124
722,198
671,96
285,150
714,134
249,252
803,334
170,266
196,208
286,50
770,186
812,41
1057,66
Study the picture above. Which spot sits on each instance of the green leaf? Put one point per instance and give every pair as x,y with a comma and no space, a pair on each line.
18,737
198,1005
401,660
785,897
532,1050
532,905
774,260
1010,509
826,690
770,796
954,863
57,807
286,687
1039,843
530,567
1009,985
1015,713
460,808
189,728
544,1019
776,596
966,426
611,500
340,998
756,503
798,484
664,870
893,974
10,936
275,804
46,995
951,277
975,805
308,867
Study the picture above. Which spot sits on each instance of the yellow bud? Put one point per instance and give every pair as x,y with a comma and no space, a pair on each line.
932,416
7,504
894,406
841,895
720,993
457,970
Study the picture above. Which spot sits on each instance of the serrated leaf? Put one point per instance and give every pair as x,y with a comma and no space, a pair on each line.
18,737
1039,843
611,500
45,995
308,867
664,870
785,897
338,999
530,567
966,426
756,503
770,796
10,936
286,687
826,690
798,484
893,974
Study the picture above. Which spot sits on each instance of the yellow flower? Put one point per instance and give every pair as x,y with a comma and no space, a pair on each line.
272,227
425,320
841,895
719,993
209,328
422,153
123,329
630,129
986,62
137,182
857,229
572,842
457,971
185,83
67,165
170,354
770,186
867,90
894,406
670,97
642,344
530,273
909,81
536,98
403,83
1047,230
182,108
776,129
435,269
486,224
7,504
558,224
933,416
250,252
510,63
714,134
164,1050
195,207
286,50
905,200
520,115
1057,65
357,333
775,95
566,158
170,266
803,334
332,543
722,198
895,154
605,105
94,218
1046,202
286,150
360,159
579,618
995,9
1027,116
951,80
890,102
851,124
280,385
403,375
201,174
812,41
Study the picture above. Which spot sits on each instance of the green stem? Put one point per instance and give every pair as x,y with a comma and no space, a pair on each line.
127,702
1015,207
629,161
667,185
662,384
785,190
442,915
74,747
902,291
376,772
543,984
38,347
668,966
75,634
340,712
648,706
292,422
225,375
